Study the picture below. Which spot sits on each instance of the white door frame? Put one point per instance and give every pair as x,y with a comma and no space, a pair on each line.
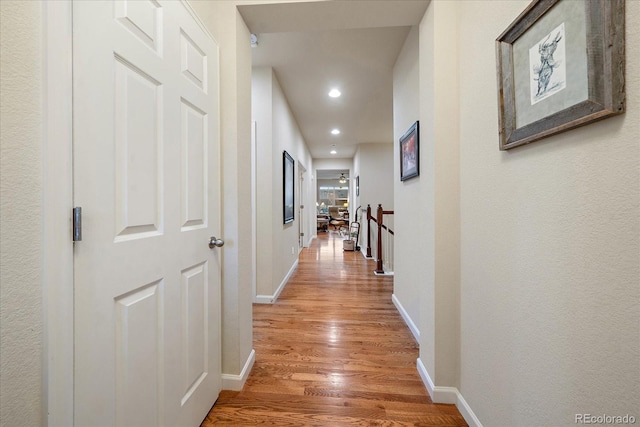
57,187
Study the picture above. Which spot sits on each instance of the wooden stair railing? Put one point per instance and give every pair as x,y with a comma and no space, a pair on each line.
379,220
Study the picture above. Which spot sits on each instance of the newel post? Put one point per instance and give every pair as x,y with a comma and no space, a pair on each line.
368,231
379,268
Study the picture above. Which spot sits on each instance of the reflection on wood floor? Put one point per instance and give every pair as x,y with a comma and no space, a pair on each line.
332,351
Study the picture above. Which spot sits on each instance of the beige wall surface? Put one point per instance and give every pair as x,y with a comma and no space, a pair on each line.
550,249
286,137
374,163
262,114
409,270
228,28
21,398
528,270
277,131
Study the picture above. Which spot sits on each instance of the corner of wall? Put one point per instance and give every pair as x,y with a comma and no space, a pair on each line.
236,382
447,395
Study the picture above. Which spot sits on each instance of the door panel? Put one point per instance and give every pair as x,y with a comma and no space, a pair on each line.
194,329
146,152
138,149
194,171
139,353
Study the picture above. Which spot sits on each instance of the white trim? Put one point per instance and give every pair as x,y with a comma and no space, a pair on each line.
467,413
196,18
386,273
438,394
236,382
57,189
449,395
264,299
405,316
270,299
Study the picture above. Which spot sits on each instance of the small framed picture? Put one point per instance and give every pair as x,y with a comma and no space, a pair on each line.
288,187
410,153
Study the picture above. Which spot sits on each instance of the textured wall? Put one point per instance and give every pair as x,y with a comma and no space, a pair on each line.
262,114
550,253
409,270
21,214
438,197
228,28
277,131
286,136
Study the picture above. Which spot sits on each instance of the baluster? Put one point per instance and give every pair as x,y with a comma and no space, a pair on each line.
368,231
379,268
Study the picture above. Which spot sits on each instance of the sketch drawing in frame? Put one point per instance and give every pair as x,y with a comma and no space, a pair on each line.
288,188
560,65
410,153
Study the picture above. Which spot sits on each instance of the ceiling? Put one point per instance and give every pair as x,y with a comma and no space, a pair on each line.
346,44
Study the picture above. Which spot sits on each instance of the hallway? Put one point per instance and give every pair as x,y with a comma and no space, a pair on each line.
332,350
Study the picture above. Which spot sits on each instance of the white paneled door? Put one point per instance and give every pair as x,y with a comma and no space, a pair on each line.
146,174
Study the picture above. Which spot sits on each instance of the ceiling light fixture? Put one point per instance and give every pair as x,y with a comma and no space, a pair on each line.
335,132
342,179
334,93
333,152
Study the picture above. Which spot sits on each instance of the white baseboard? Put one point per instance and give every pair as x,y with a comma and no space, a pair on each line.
467,413
449,395
407,319
270,299
264,299
386,273
236,382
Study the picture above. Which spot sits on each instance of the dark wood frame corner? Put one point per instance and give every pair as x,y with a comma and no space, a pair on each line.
414,129
288,188
605,68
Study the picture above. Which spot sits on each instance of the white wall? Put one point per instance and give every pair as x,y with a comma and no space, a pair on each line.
334,164
529,266
439,171
373,162
21,305
277,131
262,114
409,250
550,250
227,26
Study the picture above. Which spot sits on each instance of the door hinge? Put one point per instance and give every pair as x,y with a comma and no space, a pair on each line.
301,206
77,224
301,234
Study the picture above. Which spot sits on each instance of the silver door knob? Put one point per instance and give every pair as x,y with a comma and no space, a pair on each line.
215,243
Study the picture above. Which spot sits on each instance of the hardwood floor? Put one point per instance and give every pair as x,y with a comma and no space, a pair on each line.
332,351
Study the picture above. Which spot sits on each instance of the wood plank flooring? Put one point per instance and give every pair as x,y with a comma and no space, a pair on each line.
332,351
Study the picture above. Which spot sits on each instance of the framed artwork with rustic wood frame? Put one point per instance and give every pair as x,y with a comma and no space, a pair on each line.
560,65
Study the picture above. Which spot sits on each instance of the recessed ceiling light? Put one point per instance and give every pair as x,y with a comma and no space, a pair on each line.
333,152
334,93
335,131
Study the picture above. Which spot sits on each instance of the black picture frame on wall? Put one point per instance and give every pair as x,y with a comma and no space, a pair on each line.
410,153
288,198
